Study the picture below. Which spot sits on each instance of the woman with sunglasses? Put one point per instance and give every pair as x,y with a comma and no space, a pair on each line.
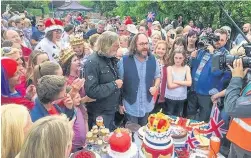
51,90
51,43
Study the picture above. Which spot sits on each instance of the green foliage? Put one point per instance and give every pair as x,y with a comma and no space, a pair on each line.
209,11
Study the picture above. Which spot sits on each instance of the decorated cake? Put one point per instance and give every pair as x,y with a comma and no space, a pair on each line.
179,134
121,145
157,142
188,124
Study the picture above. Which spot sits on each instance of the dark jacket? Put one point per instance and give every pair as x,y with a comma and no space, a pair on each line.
100,75
39,111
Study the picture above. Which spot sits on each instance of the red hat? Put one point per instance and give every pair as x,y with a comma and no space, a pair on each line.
10,66
53,24
128,20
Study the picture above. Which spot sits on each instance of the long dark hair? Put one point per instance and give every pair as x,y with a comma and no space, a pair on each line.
172,54
133,45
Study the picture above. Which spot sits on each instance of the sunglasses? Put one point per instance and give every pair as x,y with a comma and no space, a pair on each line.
40,25
21,35
6,49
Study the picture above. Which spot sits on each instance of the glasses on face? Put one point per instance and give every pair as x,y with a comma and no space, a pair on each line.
143,44
40,25
21,35
58,31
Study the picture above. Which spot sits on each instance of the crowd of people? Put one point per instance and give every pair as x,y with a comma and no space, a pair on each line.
114,68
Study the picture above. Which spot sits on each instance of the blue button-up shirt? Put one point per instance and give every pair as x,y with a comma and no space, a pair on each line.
141,106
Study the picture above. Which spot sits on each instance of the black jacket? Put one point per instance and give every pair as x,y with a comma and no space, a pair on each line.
100,74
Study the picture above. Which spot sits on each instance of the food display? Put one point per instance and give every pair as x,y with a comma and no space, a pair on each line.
179,134
83,154
98,135
188,124
157,142
121,144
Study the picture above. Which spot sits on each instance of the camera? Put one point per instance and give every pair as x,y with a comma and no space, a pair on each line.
207,39
220,62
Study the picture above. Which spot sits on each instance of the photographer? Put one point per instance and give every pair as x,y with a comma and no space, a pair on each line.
204,80
238,106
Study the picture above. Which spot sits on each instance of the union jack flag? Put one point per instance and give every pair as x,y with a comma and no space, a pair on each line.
215,125
150,17
192,142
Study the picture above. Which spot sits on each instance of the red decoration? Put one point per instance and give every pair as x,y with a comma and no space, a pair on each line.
157,153
10,66
120,141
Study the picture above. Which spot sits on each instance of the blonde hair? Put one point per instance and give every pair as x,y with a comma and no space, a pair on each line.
12,51
105,42
49,137
166,56
27,23
124,38
155,32
13,120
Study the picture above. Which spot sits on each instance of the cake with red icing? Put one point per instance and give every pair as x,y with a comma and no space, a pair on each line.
157,142
121,145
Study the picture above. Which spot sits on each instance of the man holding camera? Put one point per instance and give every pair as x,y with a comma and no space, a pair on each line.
204,80
238,106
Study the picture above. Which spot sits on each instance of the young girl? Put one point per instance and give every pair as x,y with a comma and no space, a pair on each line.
162,52
80,126
178,79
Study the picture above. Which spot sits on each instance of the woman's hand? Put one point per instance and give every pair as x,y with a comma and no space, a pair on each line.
87,99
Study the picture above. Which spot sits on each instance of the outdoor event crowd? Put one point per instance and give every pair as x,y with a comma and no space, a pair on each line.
118,69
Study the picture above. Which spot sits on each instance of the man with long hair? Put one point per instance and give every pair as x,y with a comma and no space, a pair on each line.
140,73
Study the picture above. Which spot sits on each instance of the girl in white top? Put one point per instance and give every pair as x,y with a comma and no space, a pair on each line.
178,79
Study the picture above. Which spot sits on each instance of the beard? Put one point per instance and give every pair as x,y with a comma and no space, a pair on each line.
140,54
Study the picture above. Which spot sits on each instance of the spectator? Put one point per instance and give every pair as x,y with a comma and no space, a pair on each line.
19,23
205,79
15,122
124,41
93,39
78,46
51,44
13,36
38,35
36,58
46,68
68,30
25,41
27,29
178,79
51,90
165,23
123,30
99,30
156,36
246,30
48,132
102,81
192,38
170,38
10,77
80,126
140,73
162,54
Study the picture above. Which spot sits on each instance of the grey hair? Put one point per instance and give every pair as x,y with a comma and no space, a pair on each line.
105,41
48,88
49,35
101,22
